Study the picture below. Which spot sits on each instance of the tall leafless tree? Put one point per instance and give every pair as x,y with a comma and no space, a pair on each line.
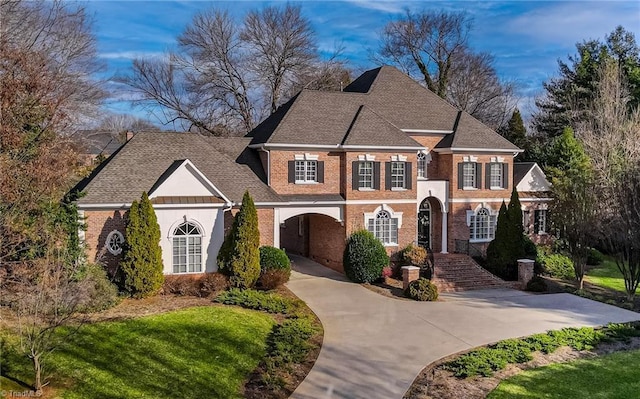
611,135
432,47
226,75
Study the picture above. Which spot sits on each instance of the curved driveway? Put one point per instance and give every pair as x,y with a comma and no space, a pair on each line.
375,346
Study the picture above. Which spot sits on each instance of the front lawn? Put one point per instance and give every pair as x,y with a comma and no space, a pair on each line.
611,376
606,275
203,352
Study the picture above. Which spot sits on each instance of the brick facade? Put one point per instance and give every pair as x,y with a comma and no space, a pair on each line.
99,225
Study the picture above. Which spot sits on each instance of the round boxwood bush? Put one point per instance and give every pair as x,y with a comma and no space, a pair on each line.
422,290
558,266
273,258
414,255
594,257
537,284
364,257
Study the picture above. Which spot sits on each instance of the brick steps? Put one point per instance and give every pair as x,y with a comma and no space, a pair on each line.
456,272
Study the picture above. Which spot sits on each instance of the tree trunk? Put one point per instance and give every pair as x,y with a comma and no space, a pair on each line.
581,283
37,369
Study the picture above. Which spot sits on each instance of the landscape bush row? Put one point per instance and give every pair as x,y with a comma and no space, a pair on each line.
487,360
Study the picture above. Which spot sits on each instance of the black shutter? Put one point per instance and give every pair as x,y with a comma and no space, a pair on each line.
292,171
478,175
505,175
407,177
355,175
487,176
460,176
320,171
376,175
387,175
536,222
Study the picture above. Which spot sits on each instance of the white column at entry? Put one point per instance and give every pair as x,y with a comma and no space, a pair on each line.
444,232
276,227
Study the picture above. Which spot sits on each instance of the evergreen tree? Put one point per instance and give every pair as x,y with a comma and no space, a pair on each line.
515,131
239,256
516,227
498,250
142,261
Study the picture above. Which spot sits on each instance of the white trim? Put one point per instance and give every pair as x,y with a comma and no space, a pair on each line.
470,159
497,159
294,146
366,157
306,157
342,202
334,147
434,131
469,200
456,149
107,243
383,207
381,147
398,158
185,219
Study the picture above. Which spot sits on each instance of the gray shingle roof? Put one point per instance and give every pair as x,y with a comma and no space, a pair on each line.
138,165
369,127
324,118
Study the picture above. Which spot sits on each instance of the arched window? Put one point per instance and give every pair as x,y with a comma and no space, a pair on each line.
482,225
187,249
422,165
384,227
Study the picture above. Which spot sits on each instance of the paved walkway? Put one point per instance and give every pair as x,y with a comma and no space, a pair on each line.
375,346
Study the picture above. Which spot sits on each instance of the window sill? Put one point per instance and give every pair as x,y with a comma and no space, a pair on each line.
305,182
477,241
366,189
470,188
183,273
398,189
423,178
497,188
391,244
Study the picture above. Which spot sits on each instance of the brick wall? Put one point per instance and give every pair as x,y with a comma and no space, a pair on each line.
451,164
265,224
279,178
295,237
427,140
381,194
99,225
326,241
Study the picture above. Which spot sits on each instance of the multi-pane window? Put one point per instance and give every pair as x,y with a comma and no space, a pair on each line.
422,165
469,175
397,175
482,226
526,218
187,249
365,174
384,227
540,222
306,171
495,175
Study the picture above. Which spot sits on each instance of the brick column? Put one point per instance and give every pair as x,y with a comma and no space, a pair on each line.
409,274
525,271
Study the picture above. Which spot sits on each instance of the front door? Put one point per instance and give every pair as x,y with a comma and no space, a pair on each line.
424,224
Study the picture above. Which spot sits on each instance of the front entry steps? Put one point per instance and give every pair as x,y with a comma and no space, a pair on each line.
459,272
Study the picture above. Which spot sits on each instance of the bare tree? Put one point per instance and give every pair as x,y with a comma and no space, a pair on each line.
282,45
225,76
474,86
432,47
611,135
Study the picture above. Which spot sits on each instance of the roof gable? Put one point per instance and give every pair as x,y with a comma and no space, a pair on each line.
529,177
182,178
369,127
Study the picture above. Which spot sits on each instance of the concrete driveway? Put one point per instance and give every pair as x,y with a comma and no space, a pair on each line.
375,346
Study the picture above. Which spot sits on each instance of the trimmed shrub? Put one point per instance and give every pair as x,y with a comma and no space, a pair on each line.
537,284
212,283
289,342
142,261
530,249
558,266
594,257
256,300
103,293
422,290
181,285
273,278
274,258
364,257
413,255
239,256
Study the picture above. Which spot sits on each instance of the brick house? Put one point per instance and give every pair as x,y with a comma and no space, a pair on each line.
385,154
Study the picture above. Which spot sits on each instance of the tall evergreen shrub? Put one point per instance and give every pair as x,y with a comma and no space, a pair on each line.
364,257
239,256
142,261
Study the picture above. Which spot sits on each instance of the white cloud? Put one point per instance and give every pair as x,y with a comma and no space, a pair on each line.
390,6
130,55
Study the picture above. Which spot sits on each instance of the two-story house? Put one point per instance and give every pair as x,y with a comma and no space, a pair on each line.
385,154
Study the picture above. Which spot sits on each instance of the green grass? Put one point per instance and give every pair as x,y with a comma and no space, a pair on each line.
606,275
611,376
204,352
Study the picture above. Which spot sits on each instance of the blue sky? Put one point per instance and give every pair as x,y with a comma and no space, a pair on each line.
526,37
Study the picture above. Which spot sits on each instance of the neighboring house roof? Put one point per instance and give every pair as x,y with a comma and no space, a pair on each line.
148,158
380,97
529,177
98,142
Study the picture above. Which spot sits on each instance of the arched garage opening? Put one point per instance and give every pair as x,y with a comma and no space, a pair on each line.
315,236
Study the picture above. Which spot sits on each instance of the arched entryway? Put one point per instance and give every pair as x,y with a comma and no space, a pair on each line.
424,224
316,236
